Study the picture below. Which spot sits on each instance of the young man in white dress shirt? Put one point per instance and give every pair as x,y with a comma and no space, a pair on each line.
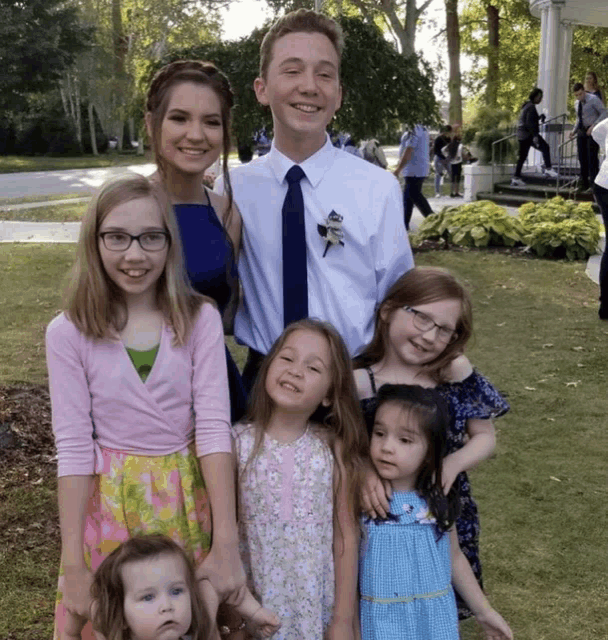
300,81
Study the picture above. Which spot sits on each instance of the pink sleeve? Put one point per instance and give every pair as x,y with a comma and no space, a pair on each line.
70,399
210,384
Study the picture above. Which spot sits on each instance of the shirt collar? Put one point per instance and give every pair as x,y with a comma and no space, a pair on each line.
314,167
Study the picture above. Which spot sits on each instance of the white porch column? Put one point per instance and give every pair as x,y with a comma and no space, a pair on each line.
563,73
552,59
551,54
544,11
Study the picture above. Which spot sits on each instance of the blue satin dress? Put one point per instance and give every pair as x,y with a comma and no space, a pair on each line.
211,267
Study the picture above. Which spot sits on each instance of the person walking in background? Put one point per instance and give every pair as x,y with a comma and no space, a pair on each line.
453,152
441,164
414,167
589,111
600,190
592,85
528,135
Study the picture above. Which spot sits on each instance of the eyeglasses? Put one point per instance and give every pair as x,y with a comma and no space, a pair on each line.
426,323
121,240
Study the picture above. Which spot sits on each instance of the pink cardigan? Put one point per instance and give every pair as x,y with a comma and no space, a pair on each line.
91,382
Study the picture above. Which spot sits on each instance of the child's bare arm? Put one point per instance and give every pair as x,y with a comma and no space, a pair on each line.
466,584
480,446
375,494
346,559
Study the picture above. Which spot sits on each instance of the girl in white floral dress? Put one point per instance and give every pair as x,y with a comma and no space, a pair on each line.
299,462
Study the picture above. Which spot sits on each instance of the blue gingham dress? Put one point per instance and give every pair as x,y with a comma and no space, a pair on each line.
405,576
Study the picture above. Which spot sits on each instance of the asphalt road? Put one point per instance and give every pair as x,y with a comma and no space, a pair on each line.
41,183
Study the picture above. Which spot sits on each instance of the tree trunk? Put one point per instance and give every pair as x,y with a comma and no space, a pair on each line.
453,34
131,125
493,74
120,46
91,112
78,119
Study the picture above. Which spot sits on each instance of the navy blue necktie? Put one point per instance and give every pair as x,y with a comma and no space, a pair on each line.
295,276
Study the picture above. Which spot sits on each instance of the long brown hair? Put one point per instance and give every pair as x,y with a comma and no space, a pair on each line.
421,285
108,591
93,302
300,21
342,420
157,103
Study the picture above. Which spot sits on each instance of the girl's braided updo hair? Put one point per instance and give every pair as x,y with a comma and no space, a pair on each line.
157,102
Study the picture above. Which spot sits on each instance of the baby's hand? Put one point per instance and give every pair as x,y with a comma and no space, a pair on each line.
494,625
259,620
375,495
263,622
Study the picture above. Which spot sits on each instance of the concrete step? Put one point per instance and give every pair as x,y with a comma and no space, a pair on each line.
510,199
543,190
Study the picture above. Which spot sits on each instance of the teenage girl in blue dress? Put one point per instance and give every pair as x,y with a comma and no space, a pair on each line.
409,561
188,120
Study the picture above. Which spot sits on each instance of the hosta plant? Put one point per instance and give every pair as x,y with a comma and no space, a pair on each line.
476,224
560,228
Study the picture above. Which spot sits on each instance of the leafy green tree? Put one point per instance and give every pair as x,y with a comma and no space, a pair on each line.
399,17
505,62
39,40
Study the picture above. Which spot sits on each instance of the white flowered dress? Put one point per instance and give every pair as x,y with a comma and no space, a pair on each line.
286,529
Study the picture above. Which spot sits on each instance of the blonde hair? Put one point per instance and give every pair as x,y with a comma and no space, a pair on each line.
300,21
161,88
421,285
342,420
108,593
93,302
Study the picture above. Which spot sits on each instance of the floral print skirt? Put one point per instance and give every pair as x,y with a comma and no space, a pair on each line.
131,495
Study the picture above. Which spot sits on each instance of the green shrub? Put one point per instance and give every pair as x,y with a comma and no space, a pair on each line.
560,228
476,224
556,228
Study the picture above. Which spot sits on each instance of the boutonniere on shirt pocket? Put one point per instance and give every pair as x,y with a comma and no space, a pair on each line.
332,231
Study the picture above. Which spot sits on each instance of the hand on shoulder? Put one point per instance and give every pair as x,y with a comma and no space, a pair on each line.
459,369
363,384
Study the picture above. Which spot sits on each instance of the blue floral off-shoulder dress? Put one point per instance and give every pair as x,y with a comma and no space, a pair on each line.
405,575
473,398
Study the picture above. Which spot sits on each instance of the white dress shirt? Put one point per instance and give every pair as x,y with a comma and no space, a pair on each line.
346,285
600,135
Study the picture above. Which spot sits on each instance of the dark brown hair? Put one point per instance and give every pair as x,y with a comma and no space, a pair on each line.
427,409
300,21
342,420
108,591
157,103
421,285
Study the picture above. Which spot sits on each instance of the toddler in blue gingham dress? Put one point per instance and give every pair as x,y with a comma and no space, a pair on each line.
409,561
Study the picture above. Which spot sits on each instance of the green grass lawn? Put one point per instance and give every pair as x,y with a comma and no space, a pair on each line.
30,199
542,497
17,164
68,212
